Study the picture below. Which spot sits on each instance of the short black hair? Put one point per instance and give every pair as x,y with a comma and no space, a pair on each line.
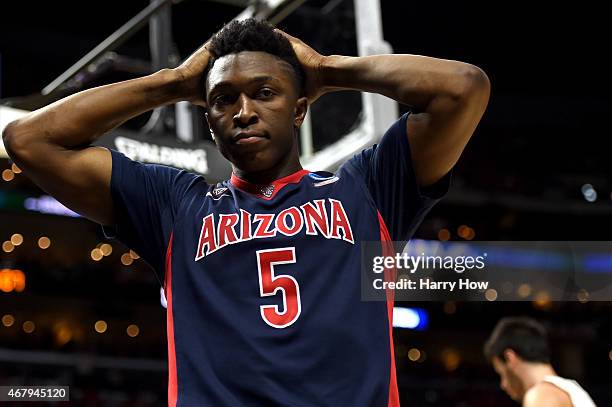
523,335
254,35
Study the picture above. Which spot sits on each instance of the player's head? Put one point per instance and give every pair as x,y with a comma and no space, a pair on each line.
516,344
254,84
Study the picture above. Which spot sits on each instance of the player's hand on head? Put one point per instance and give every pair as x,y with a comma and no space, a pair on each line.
312,63
191,75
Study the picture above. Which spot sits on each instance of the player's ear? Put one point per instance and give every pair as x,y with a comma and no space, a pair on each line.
301,108
510,357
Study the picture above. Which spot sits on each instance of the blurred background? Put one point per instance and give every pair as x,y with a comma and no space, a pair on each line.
77,309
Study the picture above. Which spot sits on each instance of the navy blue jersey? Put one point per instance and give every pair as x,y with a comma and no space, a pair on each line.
263,281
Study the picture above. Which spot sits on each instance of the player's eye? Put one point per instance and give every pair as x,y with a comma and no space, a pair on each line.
221,100
265,93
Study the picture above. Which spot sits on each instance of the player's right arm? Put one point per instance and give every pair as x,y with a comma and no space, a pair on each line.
52,145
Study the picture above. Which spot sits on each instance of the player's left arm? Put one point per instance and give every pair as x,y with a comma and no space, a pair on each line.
449,98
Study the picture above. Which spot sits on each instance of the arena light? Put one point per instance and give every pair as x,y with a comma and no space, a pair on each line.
126,259
410,318
8,175
44,242
491,294
106,249
414,354
597,263
8,320
6,282
16,239
63,333
100,326
466,232
28,327
444,235
48,205
589,192
96,254
12,280
451,359
8,246
19,280
524,290
133,330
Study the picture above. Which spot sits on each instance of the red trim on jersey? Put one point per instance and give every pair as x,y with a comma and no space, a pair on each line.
388,250
255,189
172,383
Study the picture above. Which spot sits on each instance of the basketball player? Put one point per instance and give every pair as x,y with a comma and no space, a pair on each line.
262,271
519,353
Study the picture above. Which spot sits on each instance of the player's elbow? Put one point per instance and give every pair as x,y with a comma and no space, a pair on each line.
14,141
475,85
9,136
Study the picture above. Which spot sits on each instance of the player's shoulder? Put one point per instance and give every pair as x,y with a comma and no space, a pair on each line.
545,394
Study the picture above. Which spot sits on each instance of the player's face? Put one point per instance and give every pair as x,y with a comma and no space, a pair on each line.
254,110
509,380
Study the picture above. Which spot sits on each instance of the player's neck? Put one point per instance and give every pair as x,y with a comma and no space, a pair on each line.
536,373
270,175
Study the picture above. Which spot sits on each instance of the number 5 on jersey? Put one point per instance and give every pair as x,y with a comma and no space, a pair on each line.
269,284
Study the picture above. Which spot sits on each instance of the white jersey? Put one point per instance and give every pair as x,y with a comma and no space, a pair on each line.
578,396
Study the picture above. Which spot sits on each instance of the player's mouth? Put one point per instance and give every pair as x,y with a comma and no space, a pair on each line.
248,137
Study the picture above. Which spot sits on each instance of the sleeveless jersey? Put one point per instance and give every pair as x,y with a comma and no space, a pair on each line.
578,396
263,282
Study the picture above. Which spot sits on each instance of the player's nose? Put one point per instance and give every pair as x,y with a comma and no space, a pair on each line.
503,385
246,113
